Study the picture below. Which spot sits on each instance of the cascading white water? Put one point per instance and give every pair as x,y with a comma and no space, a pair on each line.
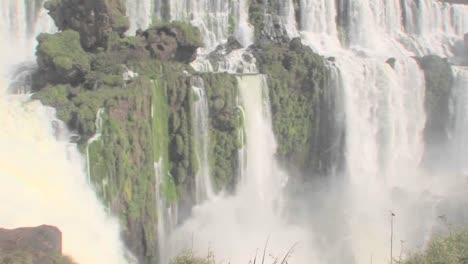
385,116
140,13
244,32
211,17
459,138
203,185
20,21
284,16
167,216
236,227
216,19
42,175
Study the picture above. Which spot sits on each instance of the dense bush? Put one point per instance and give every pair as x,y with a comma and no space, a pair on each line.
297,79
449,249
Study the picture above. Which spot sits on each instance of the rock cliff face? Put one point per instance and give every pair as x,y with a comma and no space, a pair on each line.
33,245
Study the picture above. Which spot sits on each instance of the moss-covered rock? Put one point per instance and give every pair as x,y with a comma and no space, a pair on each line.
121,162
95,20
61,59
176,40
32,245
302,114
225,123
451,248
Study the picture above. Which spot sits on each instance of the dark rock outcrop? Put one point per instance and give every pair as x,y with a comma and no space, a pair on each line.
95,20
391,62
175,41
35,245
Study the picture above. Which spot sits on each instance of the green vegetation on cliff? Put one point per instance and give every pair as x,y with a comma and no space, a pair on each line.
449,249
24,257
225,122
297,78
146,119
62,55
121,165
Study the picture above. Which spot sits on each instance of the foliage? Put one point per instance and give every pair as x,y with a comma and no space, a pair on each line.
256,17
225,123
25,257
186,34
190,258
450,249
297,78
62,52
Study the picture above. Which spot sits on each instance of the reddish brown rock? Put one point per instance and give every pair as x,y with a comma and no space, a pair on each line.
35,245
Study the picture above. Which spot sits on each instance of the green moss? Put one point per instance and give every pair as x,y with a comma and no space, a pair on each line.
62,51
256,18
25,257
187,35
225,122
297,78
449,249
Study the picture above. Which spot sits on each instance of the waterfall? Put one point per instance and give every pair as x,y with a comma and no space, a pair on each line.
216,19
140,14
244,32
203,185
283,19
235,227
20,21
42,174
385,116
459,137
167,215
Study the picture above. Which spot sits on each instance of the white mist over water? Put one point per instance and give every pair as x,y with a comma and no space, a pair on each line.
43,176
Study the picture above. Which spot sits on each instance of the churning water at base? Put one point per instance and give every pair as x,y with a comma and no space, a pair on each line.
237,228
